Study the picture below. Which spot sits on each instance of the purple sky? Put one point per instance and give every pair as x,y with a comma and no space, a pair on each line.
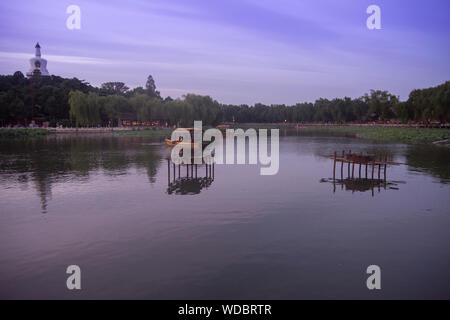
237,51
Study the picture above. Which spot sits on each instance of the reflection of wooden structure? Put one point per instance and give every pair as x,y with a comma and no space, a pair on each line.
189,185
192,182
362,160
362,184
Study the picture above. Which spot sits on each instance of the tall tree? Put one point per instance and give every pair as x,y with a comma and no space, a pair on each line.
118,88
150,86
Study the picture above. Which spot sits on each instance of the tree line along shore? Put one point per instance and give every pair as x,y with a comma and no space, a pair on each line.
73,103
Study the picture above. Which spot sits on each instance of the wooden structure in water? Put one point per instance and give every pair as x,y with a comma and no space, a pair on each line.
190,179
373,166
191,170
350,159
193,162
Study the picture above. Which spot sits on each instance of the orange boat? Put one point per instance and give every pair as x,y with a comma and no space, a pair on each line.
172,143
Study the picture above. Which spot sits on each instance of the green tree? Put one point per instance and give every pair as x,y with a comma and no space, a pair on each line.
118,88
78,112
150,87
380,104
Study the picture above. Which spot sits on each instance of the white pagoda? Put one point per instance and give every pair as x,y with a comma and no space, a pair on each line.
38,65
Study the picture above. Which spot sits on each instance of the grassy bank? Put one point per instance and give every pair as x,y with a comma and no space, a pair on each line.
147,132
381,133
22,133
398,134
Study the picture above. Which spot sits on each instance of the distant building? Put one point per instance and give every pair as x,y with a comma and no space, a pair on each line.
38,65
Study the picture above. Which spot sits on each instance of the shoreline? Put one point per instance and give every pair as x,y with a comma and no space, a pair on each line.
406,133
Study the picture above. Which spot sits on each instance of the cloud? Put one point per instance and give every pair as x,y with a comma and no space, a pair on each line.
57,58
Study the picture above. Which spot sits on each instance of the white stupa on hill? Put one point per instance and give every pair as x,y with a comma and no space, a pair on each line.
38,65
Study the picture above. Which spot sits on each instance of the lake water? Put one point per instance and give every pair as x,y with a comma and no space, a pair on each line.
107,204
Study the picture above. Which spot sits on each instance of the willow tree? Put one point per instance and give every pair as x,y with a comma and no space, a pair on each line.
142,107
77,103
113,106
94,106
84,108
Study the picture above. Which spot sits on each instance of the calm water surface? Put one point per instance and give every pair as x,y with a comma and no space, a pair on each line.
107,204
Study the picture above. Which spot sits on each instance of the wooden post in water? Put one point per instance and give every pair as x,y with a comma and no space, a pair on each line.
179,171
196,170
379,167
168,171
174,176
385,166
342,165
206,166
334,166
348,169
360,170
353,169
213,170
373,166
366,169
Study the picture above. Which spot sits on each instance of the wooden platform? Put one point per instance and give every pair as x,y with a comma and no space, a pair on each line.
360,159
347,160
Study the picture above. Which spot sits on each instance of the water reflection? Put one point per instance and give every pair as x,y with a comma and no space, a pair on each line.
112,207
431,159
362,184
428,158
193,182
62,158
189,185
43,162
